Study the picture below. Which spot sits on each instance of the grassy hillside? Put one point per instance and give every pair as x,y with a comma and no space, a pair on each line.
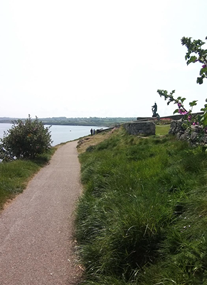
142,216
15,175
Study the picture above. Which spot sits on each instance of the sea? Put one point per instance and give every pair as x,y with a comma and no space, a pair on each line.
60,133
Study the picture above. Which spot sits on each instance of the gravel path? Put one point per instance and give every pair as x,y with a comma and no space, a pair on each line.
36,246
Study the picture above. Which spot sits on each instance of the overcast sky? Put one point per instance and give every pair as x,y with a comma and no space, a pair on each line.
97,58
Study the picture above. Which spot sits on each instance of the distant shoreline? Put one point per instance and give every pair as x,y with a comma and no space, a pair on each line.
63,121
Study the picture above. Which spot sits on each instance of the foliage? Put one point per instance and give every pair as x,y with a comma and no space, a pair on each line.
26,139
195,53
91,121
14,175
140,220
83,121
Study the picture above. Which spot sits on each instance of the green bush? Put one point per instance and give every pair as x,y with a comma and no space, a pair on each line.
25,139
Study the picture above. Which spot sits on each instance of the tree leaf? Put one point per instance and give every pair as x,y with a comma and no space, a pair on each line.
176,111
193,103
199,80
192,59
205,119
203,71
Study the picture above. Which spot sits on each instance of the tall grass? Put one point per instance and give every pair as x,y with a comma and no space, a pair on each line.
141,217
14,175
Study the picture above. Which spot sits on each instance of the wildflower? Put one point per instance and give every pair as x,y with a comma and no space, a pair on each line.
182,112
204,66
179,105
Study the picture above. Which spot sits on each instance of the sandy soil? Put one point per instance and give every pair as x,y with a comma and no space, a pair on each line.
36,245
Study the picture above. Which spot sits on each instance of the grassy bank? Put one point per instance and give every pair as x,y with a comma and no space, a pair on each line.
15,175
142,216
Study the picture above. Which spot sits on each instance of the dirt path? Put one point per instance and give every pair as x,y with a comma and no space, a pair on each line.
36,228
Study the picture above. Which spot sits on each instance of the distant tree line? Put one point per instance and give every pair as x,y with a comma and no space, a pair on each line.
91,121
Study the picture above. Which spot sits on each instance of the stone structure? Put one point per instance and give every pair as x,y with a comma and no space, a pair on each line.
146,119
146,128
177,128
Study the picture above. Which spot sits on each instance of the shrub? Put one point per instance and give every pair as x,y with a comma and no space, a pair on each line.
25,139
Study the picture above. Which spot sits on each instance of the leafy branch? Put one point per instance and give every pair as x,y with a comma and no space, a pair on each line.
196,53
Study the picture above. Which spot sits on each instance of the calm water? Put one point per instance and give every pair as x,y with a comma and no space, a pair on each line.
60,134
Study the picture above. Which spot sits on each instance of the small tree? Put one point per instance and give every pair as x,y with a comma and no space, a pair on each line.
25,139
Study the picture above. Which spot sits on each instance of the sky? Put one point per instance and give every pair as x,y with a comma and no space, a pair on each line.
97,58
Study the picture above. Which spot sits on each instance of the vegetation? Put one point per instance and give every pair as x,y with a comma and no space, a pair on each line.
92,121
24,149
14,175
197,121
142,216
162,129
25,139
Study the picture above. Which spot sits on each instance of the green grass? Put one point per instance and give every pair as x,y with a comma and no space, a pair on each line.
14,175
142,217
162,129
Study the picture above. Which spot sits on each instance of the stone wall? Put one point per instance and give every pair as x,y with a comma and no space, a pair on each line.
140,128
177,128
